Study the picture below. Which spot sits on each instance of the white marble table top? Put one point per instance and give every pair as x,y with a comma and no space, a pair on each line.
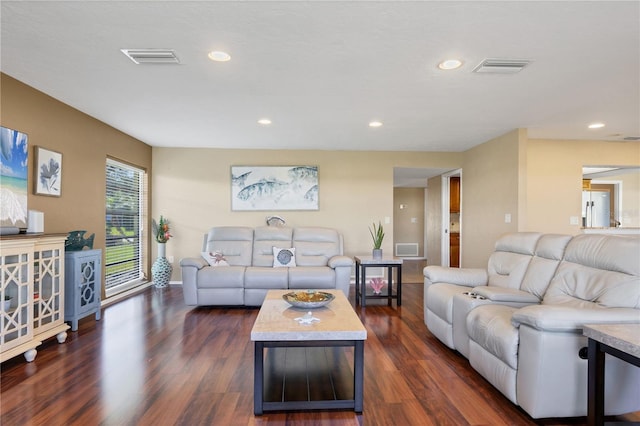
369,260
625,337
276,320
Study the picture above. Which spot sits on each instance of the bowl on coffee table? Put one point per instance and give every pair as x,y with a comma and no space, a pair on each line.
308,299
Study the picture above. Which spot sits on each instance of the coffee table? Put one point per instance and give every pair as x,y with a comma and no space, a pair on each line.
303,366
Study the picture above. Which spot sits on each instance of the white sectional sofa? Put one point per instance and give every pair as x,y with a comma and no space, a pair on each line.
248,271
520,322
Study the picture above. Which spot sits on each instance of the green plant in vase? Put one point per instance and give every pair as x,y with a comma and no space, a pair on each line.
377,235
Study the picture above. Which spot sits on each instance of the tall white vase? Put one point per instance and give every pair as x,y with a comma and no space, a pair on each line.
161,268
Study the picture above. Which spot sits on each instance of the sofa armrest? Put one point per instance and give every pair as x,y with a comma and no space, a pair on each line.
501,294
336,261
469,277
198,262
562,318
190,267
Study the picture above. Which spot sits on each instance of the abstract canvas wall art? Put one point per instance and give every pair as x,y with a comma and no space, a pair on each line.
274,188
14,156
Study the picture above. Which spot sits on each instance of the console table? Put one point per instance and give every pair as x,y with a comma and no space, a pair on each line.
619,340
364,262
32,284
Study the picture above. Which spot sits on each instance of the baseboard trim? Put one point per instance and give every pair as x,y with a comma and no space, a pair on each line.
119,296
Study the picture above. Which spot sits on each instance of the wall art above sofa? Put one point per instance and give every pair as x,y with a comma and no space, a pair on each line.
274,188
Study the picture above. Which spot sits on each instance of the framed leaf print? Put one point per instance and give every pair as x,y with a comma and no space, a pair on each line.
48,172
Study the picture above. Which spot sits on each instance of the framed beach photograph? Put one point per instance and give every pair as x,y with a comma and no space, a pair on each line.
48,172
13,179
274,188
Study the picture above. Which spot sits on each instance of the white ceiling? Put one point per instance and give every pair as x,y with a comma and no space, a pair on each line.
321,70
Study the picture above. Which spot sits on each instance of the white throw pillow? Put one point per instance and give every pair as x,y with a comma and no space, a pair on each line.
284,257
215,259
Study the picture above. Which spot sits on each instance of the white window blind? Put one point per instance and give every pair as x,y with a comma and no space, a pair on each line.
125,195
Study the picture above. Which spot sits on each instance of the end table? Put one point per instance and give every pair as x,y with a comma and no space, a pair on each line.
364,262
83,285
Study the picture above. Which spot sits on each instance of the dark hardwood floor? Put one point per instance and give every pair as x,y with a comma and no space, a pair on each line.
151,360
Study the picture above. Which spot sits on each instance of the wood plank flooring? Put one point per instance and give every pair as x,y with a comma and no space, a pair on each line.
151,360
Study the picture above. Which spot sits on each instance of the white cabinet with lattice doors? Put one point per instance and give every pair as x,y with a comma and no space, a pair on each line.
32,292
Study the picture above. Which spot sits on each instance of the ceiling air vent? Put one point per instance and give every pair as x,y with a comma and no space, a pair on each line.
501,66
151,56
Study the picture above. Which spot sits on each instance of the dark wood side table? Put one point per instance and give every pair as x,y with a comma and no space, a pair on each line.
364,262
619,340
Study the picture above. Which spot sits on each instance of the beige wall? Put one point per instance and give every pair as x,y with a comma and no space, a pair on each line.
192,189
554,178
490,188
85,144
404,230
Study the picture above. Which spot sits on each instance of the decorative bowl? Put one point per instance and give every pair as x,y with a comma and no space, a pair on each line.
308,299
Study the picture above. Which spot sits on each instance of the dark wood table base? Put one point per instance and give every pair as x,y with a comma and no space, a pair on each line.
311,375
595,385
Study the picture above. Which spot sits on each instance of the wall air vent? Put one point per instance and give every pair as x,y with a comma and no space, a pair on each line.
151,56
407,249
631,138
501,66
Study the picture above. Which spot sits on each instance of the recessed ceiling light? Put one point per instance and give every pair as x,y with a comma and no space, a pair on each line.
450,64
596,125
264,121
375,124
219,56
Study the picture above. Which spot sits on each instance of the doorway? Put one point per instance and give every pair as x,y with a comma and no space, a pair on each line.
435,248
451,218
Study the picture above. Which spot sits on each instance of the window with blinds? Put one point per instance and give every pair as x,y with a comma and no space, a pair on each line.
125,195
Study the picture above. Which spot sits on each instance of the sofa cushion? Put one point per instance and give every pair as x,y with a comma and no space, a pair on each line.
507,269
549,251
612,253
284,257
315,246
583,287
598,271
265,239
266,277
518,242
234,242
312,277
439,299
490,327
508,263
228,277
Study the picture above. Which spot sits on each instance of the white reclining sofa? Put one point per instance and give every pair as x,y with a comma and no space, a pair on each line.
520,322
249,269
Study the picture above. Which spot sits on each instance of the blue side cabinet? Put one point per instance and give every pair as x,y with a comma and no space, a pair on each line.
83,285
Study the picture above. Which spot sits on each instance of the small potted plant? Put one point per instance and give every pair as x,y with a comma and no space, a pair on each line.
377,234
